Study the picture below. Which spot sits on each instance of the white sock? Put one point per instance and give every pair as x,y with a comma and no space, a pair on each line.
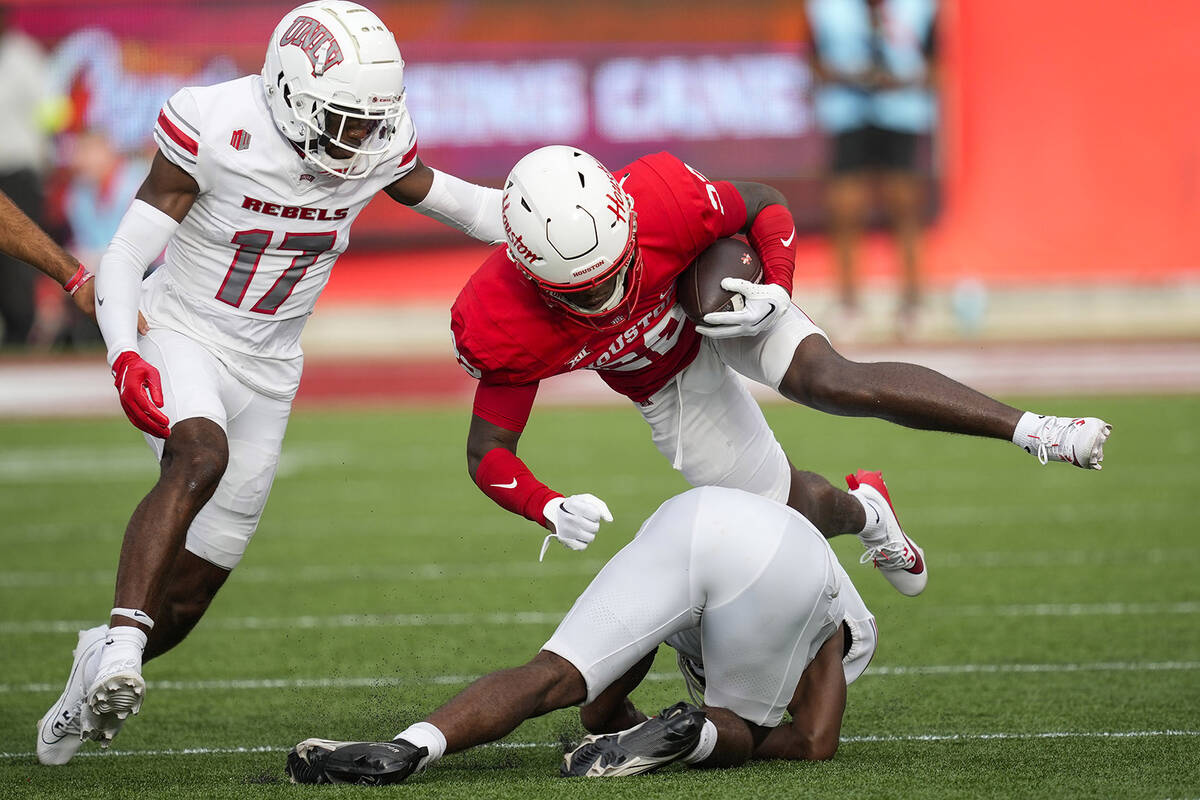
422,734
704,747
1026,426
122,650
875,530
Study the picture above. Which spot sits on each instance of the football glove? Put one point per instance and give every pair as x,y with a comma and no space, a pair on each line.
765,304
140,387
575,519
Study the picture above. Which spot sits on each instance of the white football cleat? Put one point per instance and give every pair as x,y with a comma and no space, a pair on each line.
1078,440
897,556
115,694
59,730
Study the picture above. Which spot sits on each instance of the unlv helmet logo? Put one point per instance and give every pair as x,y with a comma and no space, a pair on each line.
316,41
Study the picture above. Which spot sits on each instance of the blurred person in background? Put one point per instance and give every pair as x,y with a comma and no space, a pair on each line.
875,69
23,96
102,184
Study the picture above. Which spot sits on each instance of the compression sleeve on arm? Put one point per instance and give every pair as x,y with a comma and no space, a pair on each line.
505,406
143,233
511,485
773,236
472,209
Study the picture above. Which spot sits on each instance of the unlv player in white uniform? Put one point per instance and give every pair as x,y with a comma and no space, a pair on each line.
747,591
253,191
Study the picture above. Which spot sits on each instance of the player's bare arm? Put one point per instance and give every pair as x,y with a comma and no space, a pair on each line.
817,708
757,197
472,209
169,189
498,472
413,187
20,237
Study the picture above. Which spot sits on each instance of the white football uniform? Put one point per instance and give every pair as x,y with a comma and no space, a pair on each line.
242,273
245,267
744,586
709,426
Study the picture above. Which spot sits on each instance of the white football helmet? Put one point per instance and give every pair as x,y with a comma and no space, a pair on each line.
572,230
334,78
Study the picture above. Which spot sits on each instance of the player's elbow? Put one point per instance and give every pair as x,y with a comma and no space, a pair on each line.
813,746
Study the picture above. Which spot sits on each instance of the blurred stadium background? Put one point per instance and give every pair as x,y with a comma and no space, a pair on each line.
1065,173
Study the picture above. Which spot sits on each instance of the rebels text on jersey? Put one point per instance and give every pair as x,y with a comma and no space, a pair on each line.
245,267
506,332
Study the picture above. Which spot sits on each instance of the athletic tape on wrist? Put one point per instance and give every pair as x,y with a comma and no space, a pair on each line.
135,614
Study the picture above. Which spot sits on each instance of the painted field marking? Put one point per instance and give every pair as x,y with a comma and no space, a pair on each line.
19,579
11,628
378,682
870,738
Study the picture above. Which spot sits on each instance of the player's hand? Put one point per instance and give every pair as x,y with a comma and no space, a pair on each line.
141,394
84,299
765,304
574,520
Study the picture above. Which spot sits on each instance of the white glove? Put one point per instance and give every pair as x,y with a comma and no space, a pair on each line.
765,304
575,519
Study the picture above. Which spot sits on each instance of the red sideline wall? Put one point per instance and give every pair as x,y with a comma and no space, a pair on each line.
1072,140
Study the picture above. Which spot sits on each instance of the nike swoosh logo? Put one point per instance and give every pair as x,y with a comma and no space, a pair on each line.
788,241
512,485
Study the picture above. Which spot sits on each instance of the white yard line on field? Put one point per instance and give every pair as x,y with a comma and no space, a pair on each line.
917,737
12,579
378,682
13,627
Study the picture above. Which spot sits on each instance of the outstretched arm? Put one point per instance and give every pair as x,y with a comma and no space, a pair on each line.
501,412
472,209
21,238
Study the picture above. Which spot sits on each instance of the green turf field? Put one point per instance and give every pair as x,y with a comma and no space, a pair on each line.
1056,652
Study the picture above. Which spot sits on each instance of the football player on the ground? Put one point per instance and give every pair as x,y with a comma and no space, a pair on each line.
252,193
587,281
684,580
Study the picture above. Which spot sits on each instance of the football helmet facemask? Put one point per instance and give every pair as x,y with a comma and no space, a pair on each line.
334,81
572,230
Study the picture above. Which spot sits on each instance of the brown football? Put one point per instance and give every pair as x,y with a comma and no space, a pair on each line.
698,287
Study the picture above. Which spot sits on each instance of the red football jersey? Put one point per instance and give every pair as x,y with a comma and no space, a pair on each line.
506,332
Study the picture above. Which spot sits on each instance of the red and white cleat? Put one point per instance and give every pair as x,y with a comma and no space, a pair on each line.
898,557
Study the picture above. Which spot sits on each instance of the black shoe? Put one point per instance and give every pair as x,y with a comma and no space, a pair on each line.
366,763
643,748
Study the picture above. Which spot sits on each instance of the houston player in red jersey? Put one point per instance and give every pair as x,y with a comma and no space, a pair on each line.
587,281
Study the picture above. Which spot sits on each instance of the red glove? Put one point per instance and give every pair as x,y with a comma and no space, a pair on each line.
133,376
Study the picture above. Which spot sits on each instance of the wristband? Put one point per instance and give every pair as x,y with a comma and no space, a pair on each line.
505,478
80,277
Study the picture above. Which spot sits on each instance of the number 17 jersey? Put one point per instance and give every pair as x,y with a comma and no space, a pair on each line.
247,264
